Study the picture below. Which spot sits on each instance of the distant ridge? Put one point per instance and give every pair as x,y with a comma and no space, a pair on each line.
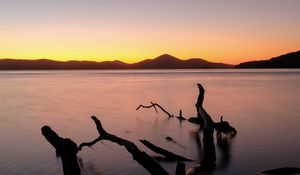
290,60
167,61
161,62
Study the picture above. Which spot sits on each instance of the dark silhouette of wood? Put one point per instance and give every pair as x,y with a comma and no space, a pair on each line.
168,155
196,120
66,148
199,119
284,170
141,157
180,117
154,106
180,168
224,127
170,139
209,158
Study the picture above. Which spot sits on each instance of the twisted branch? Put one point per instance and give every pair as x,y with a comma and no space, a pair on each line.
154,106
141,157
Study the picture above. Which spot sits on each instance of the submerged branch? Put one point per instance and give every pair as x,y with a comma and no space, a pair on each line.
168,155
89,144
141,157
224,127
208,161
154,105
180,117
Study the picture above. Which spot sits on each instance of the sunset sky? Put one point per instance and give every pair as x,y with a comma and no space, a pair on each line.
229,31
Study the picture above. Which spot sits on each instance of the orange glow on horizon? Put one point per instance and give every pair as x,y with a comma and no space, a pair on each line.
133,45
132,58
134,37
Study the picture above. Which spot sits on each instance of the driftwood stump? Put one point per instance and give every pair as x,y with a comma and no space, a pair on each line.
209,157
66,148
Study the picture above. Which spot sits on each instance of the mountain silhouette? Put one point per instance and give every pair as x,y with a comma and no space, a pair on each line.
45,64
290,60
165,61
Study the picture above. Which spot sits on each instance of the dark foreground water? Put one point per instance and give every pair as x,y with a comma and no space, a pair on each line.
264,106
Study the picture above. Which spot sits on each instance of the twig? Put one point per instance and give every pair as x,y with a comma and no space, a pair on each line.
154,106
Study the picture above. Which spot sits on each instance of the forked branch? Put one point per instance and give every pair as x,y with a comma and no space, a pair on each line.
154,105
141,157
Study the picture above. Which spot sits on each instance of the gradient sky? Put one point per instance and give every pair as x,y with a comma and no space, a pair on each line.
229,31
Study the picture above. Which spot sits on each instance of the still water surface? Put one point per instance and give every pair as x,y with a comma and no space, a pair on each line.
264,106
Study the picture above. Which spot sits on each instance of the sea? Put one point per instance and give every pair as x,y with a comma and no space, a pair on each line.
262,104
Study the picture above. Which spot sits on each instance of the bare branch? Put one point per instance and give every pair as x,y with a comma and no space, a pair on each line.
147,107
89,144
168,155
154,105
141,157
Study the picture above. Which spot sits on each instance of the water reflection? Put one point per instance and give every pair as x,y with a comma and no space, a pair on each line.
224,145
195,135
65,99
223,142
89,168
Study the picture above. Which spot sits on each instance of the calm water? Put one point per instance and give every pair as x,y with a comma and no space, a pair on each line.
264,106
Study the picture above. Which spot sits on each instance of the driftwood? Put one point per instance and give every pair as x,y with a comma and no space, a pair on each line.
66,148
199,119
154,106
220,127
209,158
168,155
180,117
196,120
141,157
170,139
208,161
224,127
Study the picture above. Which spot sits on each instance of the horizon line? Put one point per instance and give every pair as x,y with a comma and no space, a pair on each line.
118,60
